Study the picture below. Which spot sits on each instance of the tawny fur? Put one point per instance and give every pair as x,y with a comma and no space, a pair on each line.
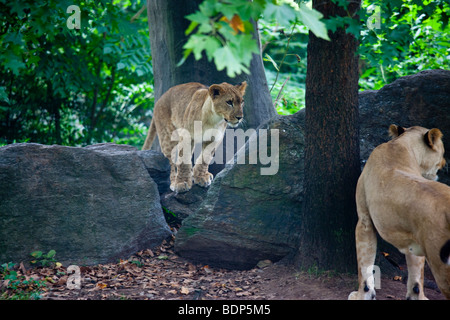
397,195
216,107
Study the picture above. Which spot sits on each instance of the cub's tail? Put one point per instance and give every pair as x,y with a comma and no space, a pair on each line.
445,253
150,136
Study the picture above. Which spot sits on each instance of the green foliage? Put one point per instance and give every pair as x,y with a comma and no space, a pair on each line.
284,54
412,36
44,260
223,29
18,287
397,38
70,86
78,87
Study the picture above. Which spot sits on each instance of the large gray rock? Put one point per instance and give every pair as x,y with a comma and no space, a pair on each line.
247,217
91,205
422,99
179,206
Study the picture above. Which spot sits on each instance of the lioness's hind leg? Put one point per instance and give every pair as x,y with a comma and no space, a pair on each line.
366,245
415,277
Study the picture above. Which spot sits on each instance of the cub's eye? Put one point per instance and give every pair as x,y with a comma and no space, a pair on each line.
230,103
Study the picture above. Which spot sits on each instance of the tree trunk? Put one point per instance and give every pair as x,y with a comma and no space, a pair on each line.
332,158
167,25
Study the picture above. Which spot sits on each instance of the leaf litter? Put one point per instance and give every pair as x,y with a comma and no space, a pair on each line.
156,273
159,274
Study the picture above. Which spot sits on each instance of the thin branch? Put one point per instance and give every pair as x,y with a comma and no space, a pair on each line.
139,13
284,56
111,85
279,93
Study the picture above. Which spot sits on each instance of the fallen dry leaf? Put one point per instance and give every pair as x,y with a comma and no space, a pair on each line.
101,285
184,290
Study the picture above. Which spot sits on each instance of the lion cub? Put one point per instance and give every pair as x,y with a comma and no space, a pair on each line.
397,195
216,107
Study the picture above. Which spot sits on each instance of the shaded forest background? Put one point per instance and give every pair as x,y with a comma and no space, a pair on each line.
79,87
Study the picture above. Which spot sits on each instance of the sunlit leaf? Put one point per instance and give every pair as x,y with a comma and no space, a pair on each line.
269,58
311,18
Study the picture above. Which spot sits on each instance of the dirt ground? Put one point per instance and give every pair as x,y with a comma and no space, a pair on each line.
159,274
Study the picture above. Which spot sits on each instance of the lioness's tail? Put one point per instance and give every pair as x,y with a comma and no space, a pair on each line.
150,136
445,253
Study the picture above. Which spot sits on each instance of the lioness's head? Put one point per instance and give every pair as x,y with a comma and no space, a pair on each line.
228,101
427,146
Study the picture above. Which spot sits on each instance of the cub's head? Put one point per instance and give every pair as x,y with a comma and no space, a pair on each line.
427,146
228,101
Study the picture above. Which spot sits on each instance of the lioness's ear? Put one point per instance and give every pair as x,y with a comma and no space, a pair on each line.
432,136
215,90
395,131
241,87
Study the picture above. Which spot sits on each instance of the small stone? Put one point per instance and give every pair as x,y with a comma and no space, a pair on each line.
264,264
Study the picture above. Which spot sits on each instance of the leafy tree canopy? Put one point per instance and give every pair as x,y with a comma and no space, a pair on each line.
72,86
94,84
224,29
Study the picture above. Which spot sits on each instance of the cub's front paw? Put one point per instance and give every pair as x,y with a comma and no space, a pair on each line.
203,180
180,186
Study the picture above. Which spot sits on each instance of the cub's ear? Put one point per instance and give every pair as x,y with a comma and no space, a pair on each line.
395,131
215,90
241,87
432,136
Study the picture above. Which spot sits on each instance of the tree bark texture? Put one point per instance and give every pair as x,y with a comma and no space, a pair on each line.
167,25
332,158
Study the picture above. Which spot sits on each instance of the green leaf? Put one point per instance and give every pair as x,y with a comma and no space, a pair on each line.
211,45
311,18
37,254
209,7
283,14
51,254
4,97
225,58
244,45
12,275
354,27
198,17
186,54
196,43
107,50
191,27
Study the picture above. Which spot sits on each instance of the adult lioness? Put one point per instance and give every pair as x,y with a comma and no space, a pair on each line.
397,196
177,110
